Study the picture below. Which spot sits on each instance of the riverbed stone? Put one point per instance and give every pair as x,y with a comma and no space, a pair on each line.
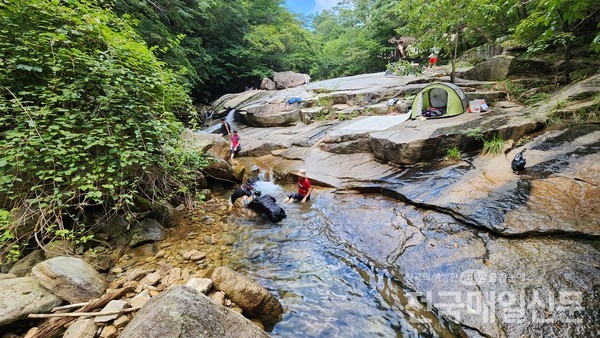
23,266
82,328
202,285
70,278
112,306
182,312
22,296
140,299
147,231
256,301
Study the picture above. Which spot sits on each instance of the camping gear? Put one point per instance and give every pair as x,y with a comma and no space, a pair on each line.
266,205
518,162
442,97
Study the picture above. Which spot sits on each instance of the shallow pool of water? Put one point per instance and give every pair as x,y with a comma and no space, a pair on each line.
326,285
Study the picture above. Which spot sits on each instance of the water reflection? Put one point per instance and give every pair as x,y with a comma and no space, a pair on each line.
327,287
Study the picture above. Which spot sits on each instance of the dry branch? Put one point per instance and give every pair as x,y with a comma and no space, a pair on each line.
53,327
82,314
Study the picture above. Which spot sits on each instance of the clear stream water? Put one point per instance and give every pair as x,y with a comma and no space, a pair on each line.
327,287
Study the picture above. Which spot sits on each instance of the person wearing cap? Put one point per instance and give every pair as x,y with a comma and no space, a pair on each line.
225,127
235,147
304,189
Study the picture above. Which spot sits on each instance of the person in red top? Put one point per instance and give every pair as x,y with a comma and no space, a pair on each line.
304,189
235,144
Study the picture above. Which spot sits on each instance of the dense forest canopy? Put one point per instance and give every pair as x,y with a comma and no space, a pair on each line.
226,46
89,90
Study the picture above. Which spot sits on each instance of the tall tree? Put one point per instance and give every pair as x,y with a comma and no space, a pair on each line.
556,23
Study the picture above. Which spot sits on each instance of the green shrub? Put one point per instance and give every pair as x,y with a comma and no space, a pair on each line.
493,146
86,116
403,68
453,154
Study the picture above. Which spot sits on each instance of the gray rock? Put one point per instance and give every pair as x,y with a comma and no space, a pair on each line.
202,285
112,306
147,231
24,265
82,328
140,299
182,312
256,301
70,278
7,276
116,226
59,248
267,84
212,144
22,296
290,79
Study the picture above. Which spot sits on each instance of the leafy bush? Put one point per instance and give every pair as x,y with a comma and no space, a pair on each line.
403,68
86,115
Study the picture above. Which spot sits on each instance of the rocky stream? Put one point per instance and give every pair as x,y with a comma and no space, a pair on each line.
396,242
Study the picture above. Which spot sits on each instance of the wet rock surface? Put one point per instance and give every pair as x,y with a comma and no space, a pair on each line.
492,286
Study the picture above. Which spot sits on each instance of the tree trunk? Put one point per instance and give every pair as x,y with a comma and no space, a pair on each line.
567,62
453,74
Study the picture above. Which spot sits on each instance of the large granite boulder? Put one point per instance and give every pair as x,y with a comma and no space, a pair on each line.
212,144
70,278
256,301
182,312
290,79
22,296
501,66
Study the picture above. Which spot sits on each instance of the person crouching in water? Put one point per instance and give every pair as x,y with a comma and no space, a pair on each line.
304,189
245,191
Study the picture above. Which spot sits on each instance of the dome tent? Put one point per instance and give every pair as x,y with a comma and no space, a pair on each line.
442,96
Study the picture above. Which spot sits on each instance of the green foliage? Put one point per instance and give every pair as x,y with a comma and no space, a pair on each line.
87,114
222,46
475,134
403,68
453,154
493,146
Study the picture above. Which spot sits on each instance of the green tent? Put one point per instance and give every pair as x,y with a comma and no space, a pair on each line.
446,98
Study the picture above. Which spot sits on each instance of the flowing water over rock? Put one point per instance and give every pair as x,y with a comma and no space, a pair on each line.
328,286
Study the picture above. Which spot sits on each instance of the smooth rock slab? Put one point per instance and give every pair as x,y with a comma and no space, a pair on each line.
22,296
184,313
70,278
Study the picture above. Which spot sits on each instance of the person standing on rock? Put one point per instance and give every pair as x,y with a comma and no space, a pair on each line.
225,127
304,189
